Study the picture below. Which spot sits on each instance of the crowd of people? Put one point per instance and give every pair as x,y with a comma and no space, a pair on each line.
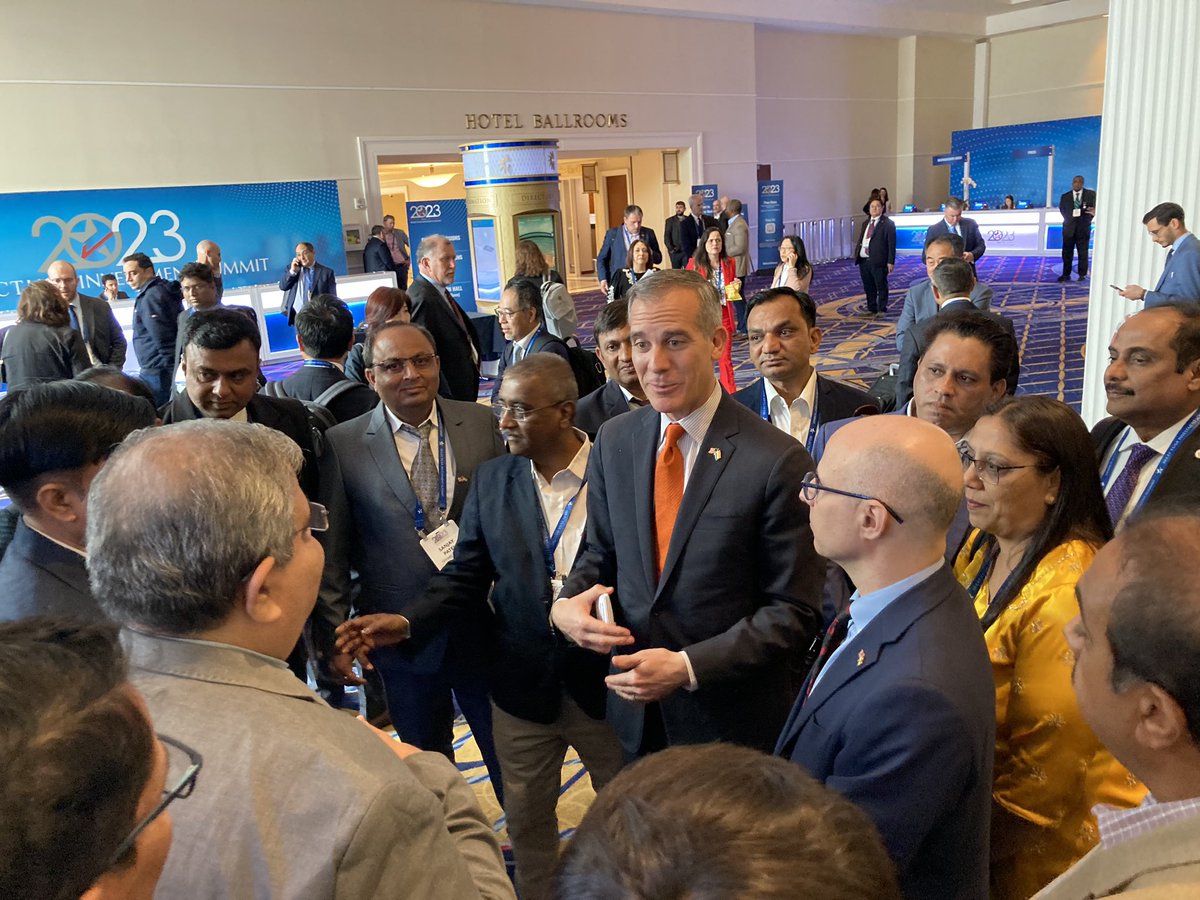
944,651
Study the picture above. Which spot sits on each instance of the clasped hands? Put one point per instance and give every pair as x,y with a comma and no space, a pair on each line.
647,676
359,636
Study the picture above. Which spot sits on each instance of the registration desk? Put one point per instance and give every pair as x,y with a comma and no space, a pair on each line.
1007,232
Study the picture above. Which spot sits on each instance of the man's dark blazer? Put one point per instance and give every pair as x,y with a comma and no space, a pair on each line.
881,252
324,282
377,257
1180,479
371,513
41,578
543,342
613,255
101,331
741,581
602,404
284,415
310,382
972,239
156,323
671,236
904,725
835,399
431,310
915,344
187,314
689,237
1066,206
531,664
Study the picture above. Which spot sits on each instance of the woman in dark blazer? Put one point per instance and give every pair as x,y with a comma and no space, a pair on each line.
42,346
637,266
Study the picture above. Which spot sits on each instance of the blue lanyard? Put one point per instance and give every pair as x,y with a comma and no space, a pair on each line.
812,418
419,515
319,364
1184,433
550,542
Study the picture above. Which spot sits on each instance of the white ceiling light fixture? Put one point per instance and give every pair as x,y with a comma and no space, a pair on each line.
432,180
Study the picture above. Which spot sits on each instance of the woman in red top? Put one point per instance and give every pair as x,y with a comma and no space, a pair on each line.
718,269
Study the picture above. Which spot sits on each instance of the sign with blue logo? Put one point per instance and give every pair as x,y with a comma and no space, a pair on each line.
947,159
708,193
770,222
256,225
449,219
1031,152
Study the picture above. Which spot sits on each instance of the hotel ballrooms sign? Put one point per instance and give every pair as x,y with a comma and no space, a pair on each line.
502,121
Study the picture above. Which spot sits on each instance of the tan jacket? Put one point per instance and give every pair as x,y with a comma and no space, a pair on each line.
737,245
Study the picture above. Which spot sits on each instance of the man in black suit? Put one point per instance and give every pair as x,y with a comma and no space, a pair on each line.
692,226
434,309
952,222
783,332
623,391
92,317
614,252
53,439
198,285
520,315
209,253
953,281
876,256
1078,207
155,324
325,331
547,694
673,238
304,278
376,255
898,712
694,516
1153,387
395,482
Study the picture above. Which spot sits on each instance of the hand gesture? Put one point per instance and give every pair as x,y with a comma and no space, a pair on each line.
573,617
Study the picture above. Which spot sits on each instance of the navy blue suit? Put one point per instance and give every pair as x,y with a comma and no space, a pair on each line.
323,282
614,253
873,268
972,240
310,381
377,257
40,578
602,404
903,723
835,399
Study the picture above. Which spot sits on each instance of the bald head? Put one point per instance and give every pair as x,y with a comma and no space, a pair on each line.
62,275
209,253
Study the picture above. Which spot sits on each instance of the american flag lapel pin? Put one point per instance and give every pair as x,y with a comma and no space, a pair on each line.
715,453
862,657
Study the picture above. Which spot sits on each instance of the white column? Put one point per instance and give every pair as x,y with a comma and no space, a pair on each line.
1149,137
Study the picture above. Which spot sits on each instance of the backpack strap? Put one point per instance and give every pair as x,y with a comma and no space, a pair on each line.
334,391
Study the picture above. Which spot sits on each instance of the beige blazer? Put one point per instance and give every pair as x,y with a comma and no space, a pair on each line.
737,245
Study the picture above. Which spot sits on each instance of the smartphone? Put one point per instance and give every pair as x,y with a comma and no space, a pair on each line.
604,609
1116,287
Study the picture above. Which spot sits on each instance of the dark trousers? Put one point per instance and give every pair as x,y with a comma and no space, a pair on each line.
875,284
162,383
739,314
401,275
422,709
678,259
1077,242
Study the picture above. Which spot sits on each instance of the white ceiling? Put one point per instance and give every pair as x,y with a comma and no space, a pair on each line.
973,19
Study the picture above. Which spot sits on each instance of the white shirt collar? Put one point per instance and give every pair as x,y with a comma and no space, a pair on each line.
574,473
394,421
697,422
807,394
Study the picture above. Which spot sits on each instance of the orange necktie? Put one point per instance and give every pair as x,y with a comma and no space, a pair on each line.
668,492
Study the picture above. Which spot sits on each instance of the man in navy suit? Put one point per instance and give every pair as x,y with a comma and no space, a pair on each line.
876,257
1077,208
615,249
898,712
92,317
692,226
952,222
783,332
54,437
1180,279
395,482
522,529
156,312
694,517
623,391
376,255
520,315
304,278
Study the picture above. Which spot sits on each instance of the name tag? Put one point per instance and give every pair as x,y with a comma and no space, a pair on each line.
556,586
1076,213
439,544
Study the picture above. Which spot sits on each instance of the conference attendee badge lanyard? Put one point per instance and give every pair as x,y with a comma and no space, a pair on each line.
550,542
812,418
1184,433
439,543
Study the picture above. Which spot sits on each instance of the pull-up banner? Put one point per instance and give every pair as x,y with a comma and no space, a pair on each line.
449,219
256,225
708,193
770,222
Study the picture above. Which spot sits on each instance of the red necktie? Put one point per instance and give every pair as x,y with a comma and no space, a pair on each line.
668,492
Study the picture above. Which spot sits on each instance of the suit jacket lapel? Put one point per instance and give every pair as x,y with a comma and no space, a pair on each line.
528,507
645,449
382,444
705,474
614,401
466,457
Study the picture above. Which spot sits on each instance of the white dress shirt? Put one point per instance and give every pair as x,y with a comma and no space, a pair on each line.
796,418
868,233
555,494
408,444
1122,447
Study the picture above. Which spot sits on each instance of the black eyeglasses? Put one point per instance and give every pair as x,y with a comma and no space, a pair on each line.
987,471
180,785
520,413
811,484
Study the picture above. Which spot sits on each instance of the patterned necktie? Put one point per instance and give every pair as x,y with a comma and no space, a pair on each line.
871,230
834,636
424,475
308,280
1122,489
668,492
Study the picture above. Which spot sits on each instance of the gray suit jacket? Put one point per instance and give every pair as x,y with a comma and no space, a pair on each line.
297,800
102,332
919,305
737,245
371,508
1180,279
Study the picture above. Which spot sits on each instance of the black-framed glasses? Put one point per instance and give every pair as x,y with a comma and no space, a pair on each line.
520,413
420,362
985,469
811,484
181,781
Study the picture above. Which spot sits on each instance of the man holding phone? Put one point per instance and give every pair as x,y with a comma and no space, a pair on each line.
1180,279
304,278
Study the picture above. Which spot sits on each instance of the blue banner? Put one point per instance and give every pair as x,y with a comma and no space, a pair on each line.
770,222
257,227
708,193
449,219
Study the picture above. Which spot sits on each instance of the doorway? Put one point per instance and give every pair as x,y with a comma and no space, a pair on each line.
616,195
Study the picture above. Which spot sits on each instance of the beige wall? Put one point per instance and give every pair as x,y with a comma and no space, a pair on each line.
1050,73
